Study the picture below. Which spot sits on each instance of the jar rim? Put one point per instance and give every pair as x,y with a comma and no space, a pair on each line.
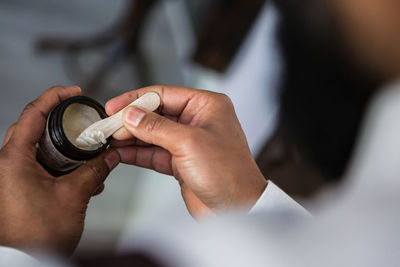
58,136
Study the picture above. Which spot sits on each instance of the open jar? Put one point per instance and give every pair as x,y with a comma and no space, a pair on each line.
58,151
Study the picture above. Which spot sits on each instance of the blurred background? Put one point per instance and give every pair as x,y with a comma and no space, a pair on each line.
301,75
110,47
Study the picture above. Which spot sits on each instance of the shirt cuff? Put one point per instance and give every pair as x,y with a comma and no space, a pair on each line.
273,199
13,257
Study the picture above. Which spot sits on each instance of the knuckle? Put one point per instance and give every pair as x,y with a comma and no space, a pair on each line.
29,107
12,127
225,99
33,107
59,90
219,99
131,94
78,88
62,90
55,90
223,103
155,124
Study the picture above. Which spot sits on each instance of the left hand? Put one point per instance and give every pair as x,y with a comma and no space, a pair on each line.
198,140
39,211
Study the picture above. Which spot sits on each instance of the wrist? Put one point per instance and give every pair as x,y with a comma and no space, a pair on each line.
247,196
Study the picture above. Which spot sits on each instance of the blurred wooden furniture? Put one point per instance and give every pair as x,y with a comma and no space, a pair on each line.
220,27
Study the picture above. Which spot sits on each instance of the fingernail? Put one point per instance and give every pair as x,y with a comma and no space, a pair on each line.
111,160
133,116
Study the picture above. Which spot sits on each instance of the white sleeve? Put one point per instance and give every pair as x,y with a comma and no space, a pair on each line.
14,257
274,200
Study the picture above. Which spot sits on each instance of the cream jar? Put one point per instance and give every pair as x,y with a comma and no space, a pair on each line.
58,151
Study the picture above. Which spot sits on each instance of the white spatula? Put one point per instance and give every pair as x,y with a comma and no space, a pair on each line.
99,131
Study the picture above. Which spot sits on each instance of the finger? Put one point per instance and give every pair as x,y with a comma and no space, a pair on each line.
9,133
155,129
130,142
155,158
86,179
32,121
174,99
122,134
195,206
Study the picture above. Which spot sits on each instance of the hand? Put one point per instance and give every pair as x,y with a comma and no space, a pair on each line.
198,140
39,211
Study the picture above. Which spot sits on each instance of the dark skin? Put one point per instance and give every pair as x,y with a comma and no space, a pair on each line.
371,31
199,141
41,212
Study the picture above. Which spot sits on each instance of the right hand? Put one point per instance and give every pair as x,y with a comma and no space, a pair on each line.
199,140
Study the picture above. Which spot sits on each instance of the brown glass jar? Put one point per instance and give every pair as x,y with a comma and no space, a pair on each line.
57,151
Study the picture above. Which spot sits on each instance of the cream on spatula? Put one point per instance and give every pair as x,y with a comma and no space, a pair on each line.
99,131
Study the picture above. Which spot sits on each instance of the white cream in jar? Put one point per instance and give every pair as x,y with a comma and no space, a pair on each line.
58,151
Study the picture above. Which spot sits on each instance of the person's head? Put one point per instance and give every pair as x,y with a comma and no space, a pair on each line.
336,53
371,31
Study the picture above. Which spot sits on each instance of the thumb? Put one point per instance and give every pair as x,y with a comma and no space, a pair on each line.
86,179
153,128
